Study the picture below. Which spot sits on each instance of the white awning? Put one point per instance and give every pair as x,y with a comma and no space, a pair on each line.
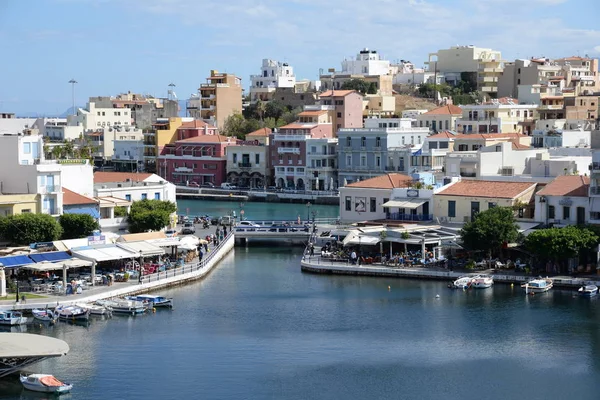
53,266
404,203
104,253
144,248
166,242
66,245
354,238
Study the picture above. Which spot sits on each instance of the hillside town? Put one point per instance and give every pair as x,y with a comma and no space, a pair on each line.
468,132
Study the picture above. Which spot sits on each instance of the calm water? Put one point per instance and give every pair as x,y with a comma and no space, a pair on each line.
258,328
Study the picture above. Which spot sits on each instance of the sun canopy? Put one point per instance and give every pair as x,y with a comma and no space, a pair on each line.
66,245
144,248
83,210
100,253
52,266
50,256
404,203
166,242
354,238
15,261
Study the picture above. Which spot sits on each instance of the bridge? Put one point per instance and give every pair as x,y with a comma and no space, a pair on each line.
290,232
18,350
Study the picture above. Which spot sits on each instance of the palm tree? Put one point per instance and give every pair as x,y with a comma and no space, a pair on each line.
56,152
69,149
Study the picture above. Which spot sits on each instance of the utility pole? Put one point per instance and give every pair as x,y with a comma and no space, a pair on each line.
73,82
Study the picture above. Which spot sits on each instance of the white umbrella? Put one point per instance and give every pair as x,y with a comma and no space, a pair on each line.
345,182
191,240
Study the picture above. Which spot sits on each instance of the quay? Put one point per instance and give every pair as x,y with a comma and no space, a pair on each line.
317,265
269,196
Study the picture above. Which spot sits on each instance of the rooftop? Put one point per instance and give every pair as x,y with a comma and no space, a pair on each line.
337,93
388,181
567,185
490,189
107,177
449,109
196,124
443,135
312,113
71,198
260,132
489,136
208,139
16,345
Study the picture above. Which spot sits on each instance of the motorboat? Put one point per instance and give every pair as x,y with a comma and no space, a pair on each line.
588,290
11,318
153,301
464,282
45,315
72,313
124,306
96,309
482,282
45,383
539,285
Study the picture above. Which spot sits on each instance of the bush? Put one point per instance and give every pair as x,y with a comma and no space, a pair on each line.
24,229
77,226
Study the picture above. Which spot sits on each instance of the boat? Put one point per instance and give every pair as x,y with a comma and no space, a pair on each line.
153,301
46,315
588,290
11,318
72,313
482,282
539,285
124,306
464,282
96,309
45,383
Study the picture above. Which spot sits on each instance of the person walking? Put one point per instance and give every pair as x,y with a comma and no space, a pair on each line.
353,257
312,249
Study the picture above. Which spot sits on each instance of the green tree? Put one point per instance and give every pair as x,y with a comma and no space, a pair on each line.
261,109
360,85
490,230
56,152
150,215
275,109
77,226
69,149
120,212
235,125
372,88
560,244
24,229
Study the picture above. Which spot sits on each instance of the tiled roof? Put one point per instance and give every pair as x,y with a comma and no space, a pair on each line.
196,124
71,198
519,146
443,135
261,132
449,109
567,185
574,58
109,177
208,139
503,101
492,189
389,181
337,93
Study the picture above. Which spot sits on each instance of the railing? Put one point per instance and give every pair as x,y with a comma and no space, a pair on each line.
244,165
50,188
410,217
469,174
595,190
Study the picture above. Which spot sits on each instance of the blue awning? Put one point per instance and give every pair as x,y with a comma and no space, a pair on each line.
15,261
50,256
83,210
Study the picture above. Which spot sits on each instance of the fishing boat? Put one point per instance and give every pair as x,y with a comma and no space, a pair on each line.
482,282
96,309
588,290
539,285
124,306
72,313
153,301
11,318
45,383
464,282
46,315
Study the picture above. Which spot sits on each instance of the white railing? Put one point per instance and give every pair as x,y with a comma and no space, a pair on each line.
288,150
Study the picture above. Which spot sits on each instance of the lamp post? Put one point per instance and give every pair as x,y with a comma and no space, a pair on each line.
241,211
17,288
308,211
73,82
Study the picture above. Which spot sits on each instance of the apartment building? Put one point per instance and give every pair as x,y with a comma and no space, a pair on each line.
346,105
504,115
163,132
273,75
217,99
248,161
441,118
144,110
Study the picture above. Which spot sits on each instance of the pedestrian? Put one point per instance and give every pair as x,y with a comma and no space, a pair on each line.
224,231
200,255
353,257
312,249
206,247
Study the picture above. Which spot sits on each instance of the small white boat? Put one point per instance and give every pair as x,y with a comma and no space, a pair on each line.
539,285
482,282
45,383
11,318
464,282
72,313
123,306
153,301
46,315
588,290
96,309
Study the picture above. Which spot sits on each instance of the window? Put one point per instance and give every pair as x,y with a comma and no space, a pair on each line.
363,161
363,141
348,203
451,209
157,196
313,149
566,213
446,124
551,212
339,115
128,197
144,196
491,205
348,141
378,161
414,161
463,147
25,211
433,145
377,142
27,148
372,204
348,161
257,158
443,145
403,140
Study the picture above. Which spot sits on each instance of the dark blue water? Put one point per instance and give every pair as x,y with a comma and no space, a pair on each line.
258,328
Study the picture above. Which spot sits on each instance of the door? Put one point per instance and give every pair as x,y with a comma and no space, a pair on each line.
474,209
580,215
50,183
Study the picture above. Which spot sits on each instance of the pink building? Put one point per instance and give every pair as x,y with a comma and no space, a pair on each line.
347,108
195,128
200,159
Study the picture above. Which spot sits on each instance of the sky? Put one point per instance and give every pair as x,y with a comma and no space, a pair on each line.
114,46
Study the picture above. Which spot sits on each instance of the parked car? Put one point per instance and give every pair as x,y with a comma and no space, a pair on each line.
188,228
194,184
171,232
227,186
249,224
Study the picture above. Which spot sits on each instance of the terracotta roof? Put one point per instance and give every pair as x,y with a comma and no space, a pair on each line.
261,132
71,198
108,177
134,237
208,139
443,135
504,101
389,181
196,124
574,58
519,146
449,109
312,113
567,185
492,189
337,93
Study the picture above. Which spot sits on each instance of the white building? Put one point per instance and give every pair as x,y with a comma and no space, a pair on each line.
503,115
367,62
58,130
129,152
273,75
564,201
97,118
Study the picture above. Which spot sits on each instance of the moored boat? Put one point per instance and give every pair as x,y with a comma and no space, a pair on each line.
45,315
588,290
11,318
482,282
123,306
539,285
464,282
72,313
97,309
45,383
153,301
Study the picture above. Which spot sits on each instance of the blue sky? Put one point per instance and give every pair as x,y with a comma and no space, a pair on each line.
111,46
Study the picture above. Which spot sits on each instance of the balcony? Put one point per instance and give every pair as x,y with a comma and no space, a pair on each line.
52,211
595,166
595,190
551,107
288,150
47,189
393,168
207,108
244,165
481,118
205,96
409,217
497,70
488,79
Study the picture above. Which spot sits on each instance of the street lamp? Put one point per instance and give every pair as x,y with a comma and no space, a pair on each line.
308,211
73,82
17,287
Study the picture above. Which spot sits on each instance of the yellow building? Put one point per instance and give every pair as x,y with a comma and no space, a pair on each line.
164,132
504,115
14,204
441,118
217,99
462,200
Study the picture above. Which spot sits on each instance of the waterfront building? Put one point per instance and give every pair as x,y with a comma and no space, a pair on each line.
346,108
273,75
441,118
74,203
461,201
248,161
200,159
382,145
594,193
502,115
129,152
217,99
564,201
163,132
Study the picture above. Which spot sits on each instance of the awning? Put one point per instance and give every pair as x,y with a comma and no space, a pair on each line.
66,245
136,237
83,210
110,201
405,203
15,261
103,253
53,266
166,242
355,238
50,256
143,248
